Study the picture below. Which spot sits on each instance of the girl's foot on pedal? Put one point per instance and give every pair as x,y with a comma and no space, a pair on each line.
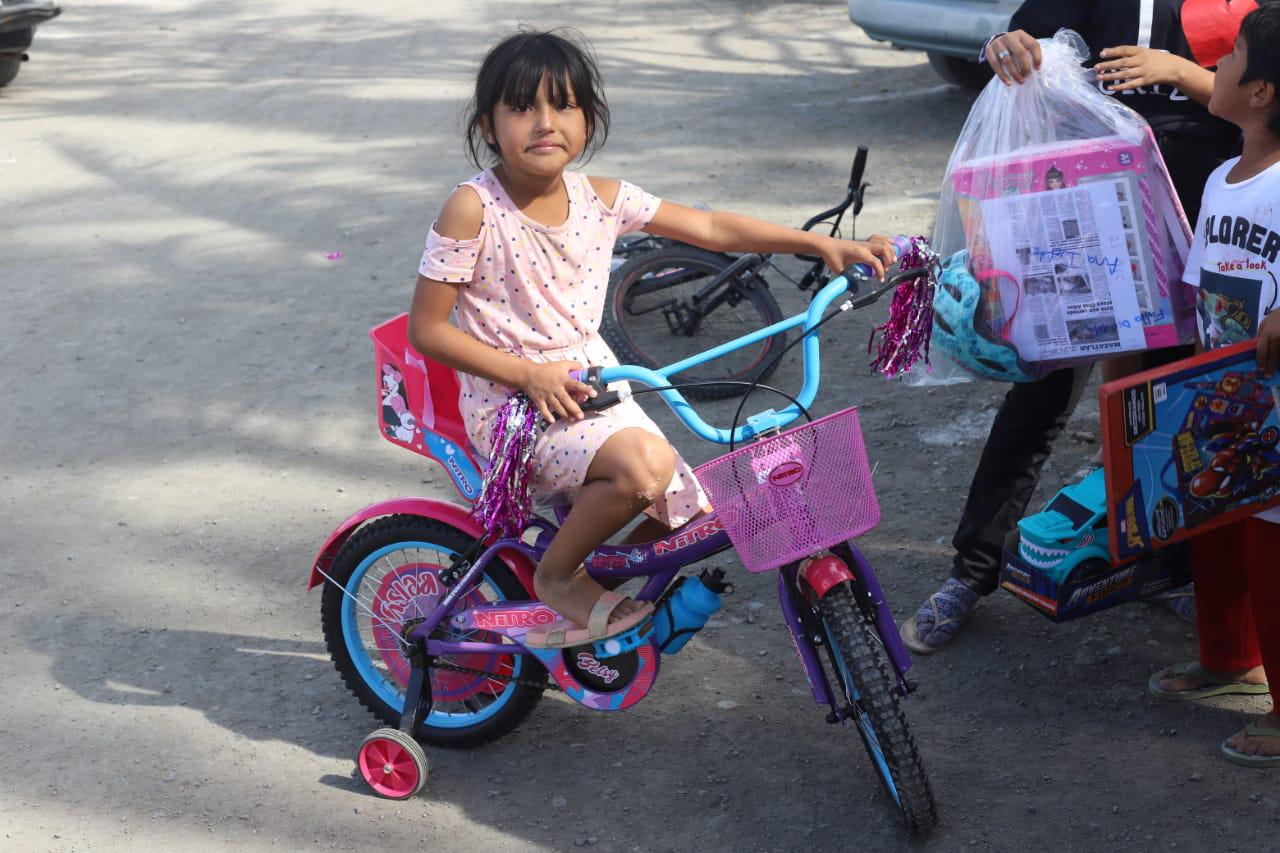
938,620
575,596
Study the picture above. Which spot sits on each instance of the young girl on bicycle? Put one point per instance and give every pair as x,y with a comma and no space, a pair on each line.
520,254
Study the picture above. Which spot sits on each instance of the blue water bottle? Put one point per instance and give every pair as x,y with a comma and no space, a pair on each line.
687,609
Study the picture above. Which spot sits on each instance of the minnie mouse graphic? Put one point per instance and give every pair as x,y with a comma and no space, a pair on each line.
398,421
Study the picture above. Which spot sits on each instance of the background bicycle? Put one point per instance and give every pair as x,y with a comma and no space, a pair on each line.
668,301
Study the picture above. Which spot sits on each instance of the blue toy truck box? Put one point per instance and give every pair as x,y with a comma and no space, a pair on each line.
1058,560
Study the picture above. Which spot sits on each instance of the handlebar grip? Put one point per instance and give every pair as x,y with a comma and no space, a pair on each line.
604,398
901,243
859,167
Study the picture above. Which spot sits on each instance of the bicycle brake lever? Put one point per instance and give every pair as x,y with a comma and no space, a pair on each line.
854,274
604,398
891,283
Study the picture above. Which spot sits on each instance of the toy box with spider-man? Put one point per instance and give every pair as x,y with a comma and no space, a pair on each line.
1189,448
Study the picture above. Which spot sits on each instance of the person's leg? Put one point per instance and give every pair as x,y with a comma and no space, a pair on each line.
1228,640
1030,418
1032,415
1264,598
628,473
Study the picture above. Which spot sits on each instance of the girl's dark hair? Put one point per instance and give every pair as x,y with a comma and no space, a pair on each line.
1261,32
512,72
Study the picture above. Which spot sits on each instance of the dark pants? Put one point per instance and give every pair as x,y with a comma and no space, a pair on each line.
1034,413
1030,418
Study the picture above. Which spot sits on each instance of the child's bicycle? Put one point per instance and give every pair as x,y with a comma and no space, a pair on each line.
668,299
424,617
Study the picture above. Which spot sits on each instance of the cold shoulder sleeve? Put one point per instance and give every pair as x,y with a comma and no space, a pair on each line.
634,207
449,260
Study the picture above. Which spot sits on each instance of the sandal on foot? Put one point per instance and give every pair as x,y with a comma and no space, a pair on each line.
563,634
1204,691
1243,758
938,620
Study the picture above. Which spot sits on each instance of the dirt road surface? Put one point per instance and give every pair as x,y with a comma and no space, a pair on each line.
187,412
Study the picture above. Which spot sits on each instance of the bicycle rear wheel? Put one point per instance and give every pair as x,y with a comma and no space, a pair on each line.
389,572
863,674
652,319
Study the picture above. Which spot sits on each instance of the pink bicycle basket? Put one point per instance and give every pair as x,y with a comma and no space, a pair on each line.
791,495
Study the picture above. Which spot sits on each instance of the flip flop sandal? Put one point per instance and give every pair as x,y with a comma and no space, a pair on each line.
564,634
1181,601
960,600
1243,758
1204,691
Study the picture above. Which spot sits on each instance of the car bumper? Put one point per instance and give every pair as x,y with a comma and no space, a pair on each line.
952,27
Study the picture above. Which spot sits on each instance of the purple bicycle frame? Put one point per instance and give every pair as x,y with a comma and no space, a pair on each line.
660,561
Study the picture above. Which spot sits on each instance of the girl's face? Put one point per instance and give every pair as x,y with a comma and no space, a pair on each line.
541,138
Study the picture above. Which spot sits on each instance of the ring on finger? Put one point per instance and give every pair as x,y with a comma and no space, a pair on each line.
1002,54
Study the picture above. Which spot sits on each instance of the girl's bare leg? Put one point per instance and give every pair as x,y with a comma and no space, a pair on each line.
631,470
646,531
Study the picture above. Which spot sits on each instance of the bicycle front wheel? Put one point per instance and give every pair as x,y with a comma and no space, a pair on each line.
660,309
873,698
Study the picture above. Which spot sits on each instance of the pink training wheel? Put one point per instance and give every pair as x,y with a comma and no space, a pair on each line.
393,764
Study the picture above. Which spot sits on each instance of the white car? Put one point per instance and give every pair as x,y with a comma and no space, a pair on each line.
950,32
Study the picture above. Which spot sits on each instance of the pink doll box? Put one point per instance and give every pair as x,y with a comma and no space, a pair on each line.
1155,228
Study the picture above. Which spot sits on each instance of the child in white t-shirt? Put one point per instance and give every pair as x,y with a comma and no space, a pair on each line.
1235,262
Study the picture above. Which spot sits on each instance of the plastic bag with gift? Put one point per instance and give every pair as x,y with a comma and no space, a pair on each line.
1062,238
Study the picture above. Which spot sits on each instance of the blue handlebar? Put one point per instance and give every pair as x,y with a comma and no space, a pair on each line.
834,289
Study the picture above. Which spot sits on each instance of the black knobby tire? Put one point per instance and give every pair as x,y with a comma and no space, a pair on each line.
387,532
879,702
9,66
641,336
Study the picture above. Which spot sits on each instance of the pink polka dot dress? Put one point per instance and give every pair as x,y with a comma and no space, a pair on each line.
538,291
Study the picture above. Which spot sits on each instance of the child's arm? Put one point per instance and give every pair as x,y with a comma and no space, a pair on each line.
549,386
719,231
1128,67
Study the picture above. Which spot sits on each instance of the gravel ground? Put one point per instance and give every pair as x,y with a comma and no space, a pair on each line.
174,174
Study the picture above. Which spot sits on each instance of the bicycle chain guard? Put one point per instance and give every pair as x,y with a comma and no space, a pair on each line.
606,682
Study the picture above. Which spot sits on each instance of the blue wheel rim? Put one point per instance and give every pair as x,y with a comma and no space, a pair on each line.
863,721
387,689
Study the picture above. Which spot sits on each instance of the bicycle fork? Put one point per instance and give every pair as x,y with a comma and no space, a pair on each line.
809,635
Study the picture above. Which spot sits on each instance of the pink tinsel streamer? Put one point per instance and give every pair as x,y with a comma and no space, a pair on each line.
506,495
905,335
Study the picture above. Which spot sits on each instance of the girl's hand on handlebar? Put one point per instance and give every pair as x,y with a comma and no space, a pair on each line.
555,392
1021,56
877,253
